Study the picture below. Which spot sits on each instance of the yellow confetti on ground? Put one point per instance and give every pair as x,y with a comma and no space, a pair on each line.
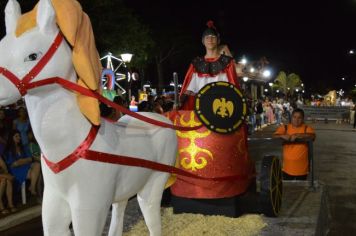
198,225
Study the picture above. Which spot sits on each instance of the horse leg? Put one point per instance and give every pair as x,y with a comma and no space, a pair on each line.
56,215
89,221
149,199
117,218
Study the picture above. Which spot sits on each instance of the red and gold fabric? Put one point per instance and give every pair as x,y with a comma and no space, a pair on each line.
209,154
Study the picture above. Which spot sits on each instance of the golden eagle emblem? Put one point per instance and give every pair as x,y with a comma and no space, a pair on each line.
223,108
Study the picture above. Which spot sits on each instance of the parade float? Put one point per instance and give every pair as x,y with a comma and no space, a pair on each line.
90,164
328,108
219,148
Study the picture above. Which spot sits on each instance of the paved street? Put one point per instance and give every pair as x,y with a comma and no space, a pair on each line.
334,154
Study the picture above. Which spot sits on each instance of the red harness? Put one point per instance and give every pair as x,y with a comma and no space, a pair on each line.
82,151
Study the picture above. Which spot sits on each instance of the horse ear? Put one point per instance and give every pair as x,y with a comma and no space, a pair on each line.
46,17
12,14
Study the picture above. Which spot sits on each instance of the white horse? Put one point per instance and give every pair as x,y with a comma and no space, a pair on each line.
82,193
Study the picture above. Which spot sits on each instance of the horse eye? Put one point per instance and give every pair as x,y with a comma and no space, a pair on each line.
33,56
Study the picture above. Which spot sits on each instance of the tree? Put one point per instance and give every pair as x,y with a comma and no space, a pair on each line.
353,94
118,30
287,83
168,48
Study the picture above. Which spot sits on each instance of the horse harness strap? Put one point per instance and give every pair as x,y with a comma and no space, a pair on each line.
83,152
75,155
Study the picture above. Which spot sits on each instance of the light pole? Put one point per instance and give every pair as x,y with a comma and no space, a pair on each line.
271,86
126,58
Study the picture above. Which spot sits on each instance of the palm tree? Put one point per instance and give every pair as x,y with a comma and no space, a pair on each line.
287,83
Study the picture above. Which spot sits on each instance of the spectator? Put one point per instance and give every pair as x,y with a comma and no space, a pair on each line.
259,115
5,128
33,147
6,186
133,101
278,112
354,116
116,114
22,124
143,106
20,162
295,155
158,105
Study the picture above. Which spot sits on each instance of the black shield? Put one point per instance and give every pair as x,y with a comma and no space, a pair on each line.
221,107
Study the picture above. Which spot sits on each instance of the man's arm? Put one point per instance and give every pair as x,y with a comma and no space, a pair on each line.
281,133
303,137
285,137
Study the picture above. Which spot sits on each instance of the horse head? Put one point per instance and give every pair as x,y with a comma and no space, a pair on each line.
23,50
30,36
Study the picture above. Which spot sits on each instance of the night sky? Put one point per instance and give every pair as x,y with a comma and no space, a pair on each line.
310,38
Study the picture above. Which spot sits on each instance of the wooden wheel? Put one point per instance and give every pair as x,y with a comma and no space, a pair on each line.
271,186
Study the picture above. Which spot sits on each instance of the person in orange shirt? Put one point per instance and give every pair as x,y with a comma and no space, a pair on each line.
295,155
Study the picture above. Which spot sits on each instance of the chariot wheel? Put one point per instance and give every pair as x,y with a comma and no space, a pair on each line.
271,186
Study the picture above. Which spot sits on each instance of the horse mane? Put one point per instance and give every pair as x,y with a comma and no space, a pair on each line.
76,27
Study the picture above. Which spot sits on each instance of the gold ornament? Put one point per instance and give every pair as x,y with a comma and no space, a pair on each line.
194,161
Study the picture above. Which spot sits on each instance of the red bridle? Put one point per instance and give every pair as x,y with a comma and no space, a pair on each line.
23,84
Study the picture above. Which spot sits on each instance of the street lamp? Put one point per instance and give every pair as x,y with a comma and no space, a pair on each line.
245,78
243,61
126,58
266,73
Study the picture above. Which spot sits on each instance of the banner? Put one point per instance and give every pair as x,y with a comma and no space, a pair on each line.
326,112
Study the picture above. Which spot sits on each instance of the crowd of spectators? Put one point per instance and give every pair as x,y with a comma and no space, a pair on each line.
268,111
278,111
158,104
19,157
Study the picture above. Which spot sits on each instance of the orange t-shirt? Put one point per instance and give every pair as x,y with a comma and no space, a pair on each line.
295,156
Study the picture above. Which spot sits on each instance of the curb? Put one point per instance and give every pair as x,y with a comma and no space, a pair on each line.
20,217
